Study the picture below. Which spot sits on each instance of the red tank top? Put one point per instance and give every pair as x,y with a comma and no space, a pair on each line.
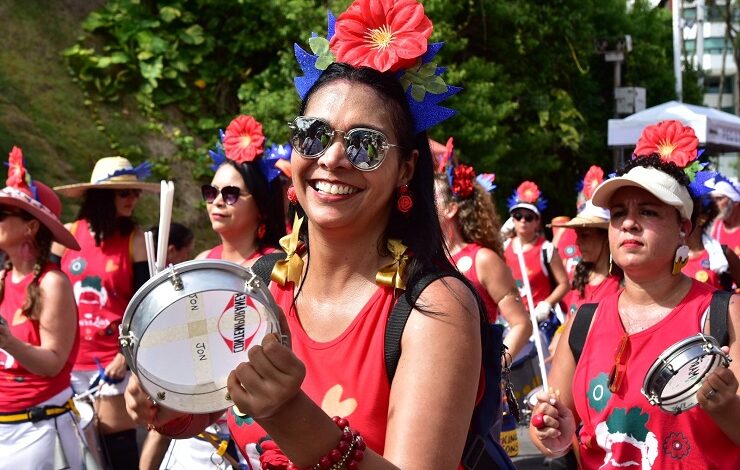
568,250
573,299
698,268
345,376
726,237
539,281
19,388
103,281
218,250
465,262
623,430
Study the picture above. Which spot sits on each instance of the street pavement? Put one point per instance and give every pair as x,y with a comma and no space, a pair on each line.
529,457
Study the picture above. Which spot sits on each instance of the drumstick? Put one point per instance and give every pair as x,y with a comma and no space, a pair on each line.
532,315
150,255
165,216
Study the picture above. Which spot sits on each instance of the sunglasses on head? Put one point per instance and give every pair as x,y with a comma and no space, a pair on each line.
520,216
365,148
125,193
6,212
230,194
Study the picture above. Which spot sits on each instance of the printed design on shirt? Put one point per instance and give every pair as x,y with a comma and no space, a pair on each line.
598,392
570,251
111,266
464,264
626,440
701,276
676,445
90,290
240,418
705,263
333,405
77,266
7,361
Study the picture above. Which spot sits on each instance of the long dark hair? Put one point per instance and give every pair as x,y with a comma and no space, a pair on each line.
99,209
269,199
418,229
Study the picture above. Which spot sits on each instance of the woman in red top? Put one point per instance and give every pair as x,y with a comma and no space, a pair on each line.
38,334
105,273
363,177
650,206
471,226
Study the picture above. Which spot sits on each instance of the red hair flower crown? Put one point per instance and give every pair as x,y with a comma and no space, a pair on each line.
528,194
18,177
675,143
244,142
388,36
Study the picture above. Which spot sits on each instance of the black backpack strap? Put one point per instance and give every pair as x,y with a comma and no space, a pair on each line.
579,330
397,322
263,266
718,311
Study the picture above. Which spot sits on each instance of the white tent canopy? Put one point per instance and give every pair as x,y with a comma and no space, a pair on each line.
715,129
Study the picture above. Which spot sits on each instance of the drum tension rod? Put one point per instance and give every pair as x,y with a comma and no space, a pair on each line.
175,278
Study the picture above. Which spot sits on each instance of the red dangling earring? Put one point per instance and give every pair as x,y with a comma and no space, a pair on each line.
261,231
292,198
405,202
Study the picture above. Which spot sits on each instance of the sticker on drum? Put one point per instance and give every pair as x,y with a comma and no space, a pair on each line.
678,373
189,326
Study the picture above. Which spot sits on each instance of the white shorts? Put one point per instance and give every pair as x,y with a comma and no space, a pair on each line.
187,454
82,379
50,444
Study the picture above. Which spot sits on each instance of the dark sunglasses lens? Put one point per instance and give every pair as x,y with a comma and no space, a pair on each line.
230,194
365,148
310,136
209,193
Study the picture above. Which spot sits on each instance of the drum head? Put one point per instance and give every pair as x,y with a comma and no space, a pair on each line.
186,345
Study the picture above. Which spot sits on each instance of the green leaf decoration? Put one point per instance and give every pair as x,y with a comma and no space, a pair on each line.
319,46
423,80
598,392
632,422
418,91
692,170
324,61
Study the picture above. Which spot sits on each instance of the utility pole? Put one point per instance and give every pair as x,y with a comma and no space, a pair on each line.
676,22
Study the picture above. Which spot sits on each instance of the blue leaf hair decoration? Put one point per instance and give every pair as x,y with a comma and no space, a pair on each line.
142,171
486,180
266,165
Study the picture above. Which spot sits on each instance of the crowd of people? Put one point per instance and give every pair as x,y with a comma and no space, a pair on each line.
361,212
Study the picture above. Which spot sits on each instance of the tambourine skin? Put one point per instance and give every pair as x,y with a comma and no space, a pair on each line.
189,326
674,378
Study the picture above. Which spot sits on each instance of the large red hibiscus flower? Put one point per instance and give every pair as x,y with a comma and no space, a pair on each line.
381,34
594,177
243,139
16,171
673,141
528,192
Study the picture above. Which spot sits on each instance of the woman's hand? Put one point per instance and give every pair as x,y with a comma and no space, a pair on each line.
5,335
142,409
719,389
271,378
117,368
556,427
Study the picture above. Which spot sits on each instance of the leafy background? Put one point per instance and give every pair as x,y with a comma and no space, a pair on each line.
157,79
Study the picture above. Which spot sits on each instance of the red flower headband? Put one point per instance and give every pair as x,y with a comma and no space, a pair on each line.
243,140
594,177
528,192
671,140
462,181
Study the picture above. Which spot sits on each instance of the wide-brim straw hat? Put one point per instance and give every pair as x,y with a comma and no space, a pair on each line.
110,173
47,209
590,217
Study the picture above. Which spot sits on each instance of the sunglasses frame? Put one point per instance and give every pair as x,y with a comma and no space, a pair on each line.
519,216
5,213
382,150
128,192
224,196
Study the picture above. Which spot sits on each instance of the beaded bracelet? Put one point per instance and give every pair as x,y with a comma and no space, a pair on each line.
348,453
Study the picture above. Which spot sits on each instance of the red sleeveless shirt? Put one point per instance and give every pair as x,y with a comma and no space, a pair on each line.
539,281
622,430
465,262
573,299
218,250
345,376
103,281
19,388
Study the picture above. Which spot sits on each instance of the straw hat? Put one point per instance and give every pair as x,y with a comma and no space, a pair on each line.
36,198
113,173
590,217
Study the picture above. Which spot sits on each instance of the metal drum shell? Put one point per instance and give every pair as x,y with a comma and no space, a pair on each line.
170,286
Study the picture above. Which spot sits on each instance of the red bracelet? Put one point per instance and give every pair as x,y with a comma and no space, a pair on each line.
348,453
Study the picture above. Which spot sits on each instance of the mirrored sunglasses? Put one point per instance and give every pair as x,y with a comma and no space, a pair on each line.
520,216
230,194
365,148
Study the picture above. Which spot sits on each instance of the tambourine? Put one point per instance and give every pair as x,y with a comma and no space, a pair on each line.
189,326
677,374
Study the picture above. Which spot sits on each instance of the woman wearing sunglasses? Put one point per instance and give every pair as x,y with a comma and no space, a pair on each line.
651,206
548,281
38,329
244,199
105,273
363,178
471,226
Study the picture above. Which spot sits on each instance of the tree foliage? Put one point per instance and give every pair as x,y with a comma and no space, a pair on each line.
536,98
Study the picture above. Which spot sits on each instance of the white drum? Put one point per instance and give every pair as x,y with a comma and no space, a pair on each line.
678,373
189,326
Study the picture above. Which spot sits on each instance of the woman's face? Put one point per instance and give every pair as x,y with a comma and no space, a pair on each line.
125,200
175,256
240,217
592,243
644,232
442,203
14,227
525,223
335,194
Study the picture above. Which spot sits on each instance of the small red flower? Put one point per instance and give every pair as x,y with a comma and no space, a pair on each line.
381,34
16,171
676,445
528,192
272,458
243,139
594,177
463,177
673,141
